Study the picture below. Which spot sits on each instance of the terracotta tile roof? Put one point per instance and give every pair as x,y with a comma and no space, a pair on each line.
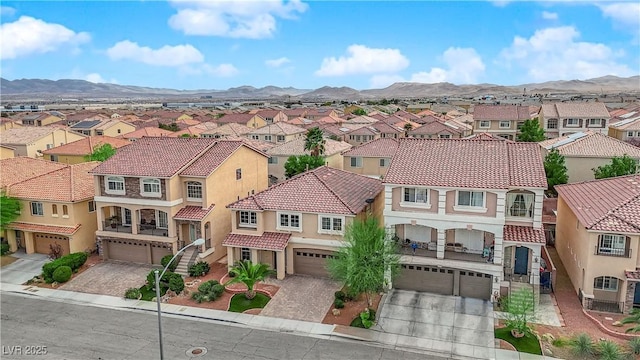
364,130
235,118
487,136
436,126
209,161
147,131
383,127
196,213
85,146
406,115
501,112
467,163
154,156
363,119
582,110
51,229
383,147
319,112
268,113
329,120
606,205
299,121
296,147
295,112
632,275
632,123
196,130
591,144
379,116
26,135
18,169
279,128
70,183
268,241
323,190
257,144
524,234
230,129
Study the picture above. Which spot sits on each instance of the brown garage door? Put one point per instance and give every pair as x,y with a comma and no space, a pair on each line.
127,250
158,251
311,262
425,278
43,242
475,285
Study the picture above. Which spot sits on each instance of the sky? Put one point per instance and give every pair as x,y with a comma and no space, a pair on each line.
309,44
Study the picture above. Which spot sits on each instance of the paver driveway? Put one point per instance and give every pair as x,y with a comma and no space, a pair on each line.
455,325
301,298
109,278
23,269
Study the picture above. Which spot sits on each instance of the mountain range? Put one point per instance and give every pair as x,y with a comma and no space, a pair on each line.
42,89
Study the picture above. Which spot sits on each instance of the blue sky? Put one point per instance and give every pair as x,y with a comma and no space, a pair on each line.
361,44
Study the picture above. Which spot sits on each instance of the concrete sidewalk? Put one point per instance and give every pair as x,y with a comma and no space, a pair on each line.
304,328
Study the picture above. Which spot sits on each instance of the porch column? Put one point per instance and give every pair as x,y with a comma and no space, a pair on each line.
135,220
290,262
535,265
29,242
254,256
11,239
442,202
629,296
440,244
230,260
101,219
497,248
281,265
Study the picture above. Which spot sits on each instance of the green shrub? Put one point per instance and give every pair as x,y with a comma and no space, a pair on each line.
367,317
74,261
609,350
208,291
176,283
350,296
634,345
339,304
340,295
201,268
559,342
62,274
165,260
582,345
132,293
4,249
169,280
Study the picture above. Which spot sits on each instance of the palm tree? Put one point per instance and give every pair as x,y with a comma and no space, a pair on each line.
315,142
249,274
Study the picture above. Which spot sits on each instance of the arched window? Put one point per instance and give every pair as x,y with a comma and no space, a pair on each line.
607,283
65,210
54,210
150,187
114,185
194,191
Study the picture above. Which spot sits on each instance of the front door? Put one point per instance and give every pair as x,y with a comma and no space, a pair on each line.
636,297
522,261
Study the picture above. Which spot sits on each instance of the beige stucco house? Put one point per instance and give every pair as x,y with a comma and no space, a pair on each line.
7,152
501,120
31,141
279,132
598,240
76,151
370,159
560,119
103,127
40,119
296,225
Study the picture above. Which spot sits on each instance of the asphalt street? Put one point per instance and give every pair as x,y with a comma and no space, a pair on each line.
70,331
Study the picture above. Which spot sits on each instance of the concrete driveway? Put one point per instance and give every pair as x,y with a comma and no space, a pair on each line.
109,278
23,269
301,298
449,324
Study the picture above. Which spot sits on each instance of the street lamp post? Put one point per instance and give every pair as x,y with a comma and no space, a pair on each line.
159,275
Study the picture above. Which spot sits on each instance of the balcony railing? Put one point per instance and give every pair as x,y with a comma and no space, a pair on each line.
603,305
146,229
613,252
116,227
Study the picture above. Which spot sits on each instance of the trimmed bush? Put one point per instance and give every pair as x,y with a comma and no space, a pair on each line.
169,280
340,295
165,260
609,350
176,283
338,304
208,291
201,268
74,261
132,293
582,345
62,274
4,249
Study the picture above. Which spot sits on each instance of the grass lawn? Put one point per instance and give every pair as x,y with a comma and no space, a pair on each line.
528,344
239,302
6,260
149,294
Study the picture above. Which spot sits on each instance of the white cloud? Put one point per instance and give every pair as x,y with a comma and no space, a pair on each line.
626,13
7,11
554,53
464,66
28,35
165,56
547,15
275,63
363,60
222,70
235,19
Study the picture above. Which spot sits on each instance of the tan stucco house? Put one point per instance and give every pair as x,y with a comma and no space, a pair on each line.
106,127
501,120
279,132
560,119
370,159
31,141
75,152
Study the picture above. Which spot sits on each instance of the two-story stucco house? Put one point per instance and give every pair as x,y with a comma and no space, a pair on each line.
159,194
501,120
76,152
295,225
57,205
280,132
371,159
598,240
32,141
474,207
106,127
560,119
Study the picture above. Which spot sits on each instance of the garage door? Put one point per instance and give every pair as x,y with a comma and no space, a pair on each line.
126,250
475,285
311,262
158,251
425,278
44,241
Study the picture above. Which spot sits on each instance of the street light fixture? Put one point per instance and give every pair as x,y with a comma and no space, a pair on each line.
197,242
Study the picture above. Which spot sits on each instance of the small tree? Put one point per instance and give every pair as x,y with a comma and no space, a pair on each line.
556,170
359,112
249,274
314,142
531,131
368,260
101,153
9,210
171,127
298,164
519,309
619,166
407,128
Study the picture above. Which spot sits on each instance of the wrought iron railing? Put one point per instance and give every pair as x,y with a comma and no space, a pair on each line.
603,305
613,252
152,230
116,227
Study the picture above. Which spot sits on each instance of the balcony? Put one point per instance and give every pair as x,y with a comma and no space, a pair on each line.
115,227
148,229
406,249
626,253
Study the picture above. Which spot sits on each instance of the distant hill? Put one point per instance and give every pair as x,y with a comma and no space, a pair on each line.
80,89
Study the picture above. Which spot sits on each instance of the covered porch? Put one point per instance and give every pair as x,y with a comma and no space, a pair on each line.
144,221
192,224
268,248
523,253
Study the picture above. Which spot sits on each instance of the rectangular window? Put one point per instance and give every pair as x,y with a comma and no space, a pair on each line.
573,122
552,124
444,136
92,206
629,134
385,162
238,174
163,220
273,160
65,211
416,195
248,219
287,221
520,205
280,138
607,283
471,198
150,187
245,254
610,244
194,191
37,209
55,157
595,122
356,162
255,137
115,185
330,224
267,138
485,124
505,124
